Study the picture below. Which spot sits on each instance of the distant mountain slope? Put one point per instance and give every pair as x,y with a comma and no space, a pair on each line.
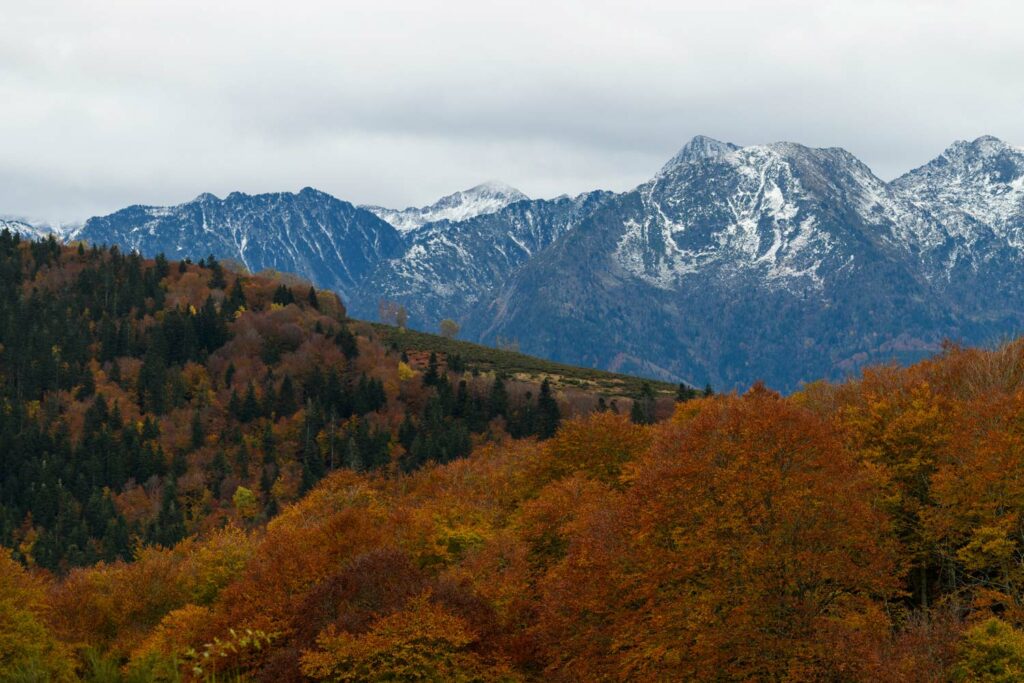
476,201
311,233
448,267
27,229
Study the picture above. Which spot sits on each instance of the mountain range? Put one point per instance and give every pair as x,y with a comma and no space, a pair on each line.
777,262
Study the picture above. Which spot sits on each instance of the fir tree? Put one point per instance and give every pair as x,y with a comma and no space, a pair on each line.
236,298
250,408
198,434
283,295
642,411
548,414
685,393
497,402
286,404
430,377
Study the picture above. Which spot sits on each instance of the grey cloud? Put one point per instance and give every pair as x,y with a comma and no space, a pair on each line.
396,102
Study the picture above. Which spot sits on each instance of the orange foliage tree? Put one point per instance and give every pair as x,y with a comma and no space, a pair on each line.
749,546
28,650
422,642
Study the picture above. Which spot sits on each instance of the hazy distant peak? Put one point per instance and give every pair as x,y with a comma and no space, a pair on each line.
487,197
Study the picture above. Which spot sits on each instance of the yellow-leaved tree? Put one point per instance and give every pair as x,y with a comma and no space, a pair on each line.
422,642
28,651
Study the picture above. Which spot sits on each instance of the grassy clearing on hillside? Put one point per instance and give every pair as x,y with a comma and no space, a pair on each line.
519,365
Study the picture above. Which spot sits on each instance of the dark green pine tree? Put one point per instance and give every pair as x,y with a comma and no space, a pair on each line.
236,298
235,405
642,411
169,527
198,434
217,280
685,393
268,445
346,341
283,295
268,404
430,377
162,267
211,330
152,383
548,414
179,464
497,401
250,408
116,540
286,404
218,471
523,419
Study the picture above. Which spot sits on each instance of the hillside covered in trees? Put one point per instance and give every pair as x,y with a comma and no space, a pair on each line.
210,476
144,401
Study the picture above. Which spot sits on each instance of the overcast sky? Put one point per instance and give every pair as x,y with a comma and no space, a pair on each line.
116,102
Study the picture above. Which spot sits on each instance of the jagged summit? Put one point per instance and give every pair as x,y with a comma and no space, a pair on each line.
240,196
975,189
485,198
968,157
701,147
985,145
770,211
310,233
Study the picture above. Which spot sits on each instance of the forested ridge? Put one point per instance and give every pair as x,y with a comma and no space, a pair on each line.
218,476
145,400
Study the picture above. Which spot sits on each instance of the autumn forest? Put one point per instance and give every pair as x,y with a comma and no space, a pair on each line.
210,475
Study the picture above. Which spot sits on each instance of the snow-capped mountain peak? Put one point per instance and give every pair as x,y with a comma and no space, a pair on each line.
700,148
986,155
310,233
974,188
986,146
762,208
485,198
34,230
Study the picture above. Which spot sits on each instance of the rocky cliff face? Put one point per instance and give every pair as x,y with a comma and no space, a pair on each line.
331,242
